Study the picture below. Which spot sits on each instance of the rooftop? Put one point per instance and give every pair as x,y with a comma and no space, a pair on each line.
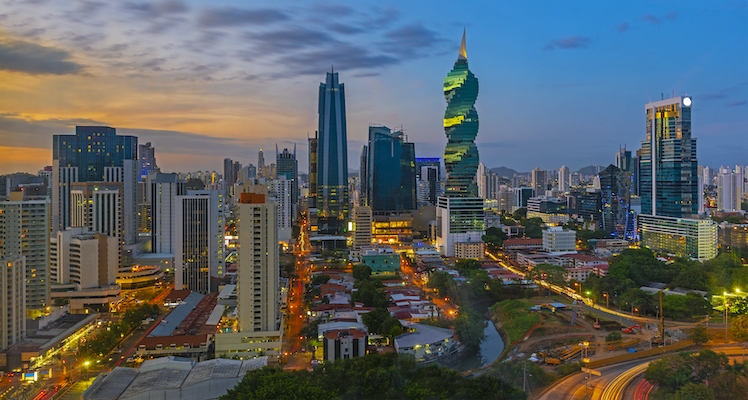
423,335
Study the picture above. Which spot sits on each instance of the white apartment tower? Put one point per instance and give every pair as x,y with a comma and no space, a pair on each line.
282,190
258,270
362,221
563,179
162,192
729,189
98,207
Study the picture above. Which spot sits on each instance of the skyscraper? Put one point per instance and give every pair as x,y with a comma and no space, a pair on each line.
162,193
332,156
12,300
390,182
97,207
460,220
563,179
313,145
24,232
198,239
539,181
228,172
729,189
615,187
668,160
94,154
260,161
287,166
428,174
461,128
146,161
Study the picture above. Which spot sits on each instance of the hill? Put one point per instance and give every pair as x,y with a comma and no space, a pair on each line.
504,171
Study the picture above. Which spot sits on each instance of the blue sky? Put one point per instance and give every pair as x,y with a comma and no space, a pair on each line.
561,83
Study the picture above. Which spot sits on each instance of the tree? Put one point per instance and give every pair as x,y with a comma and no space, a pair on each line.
442,282
707,364
465,265
739,327
469,327
520,214
273,383
699,334
613,336
494,238
318,280
694,391
361,272
552,274
670,372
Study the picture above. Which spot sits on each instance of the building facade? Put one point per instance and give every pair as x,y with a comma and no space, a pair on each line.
362,225
94,154
390,182
559,240
668,160
287,166
24,232
146,161
163,190
684,237
12,300
615,190
332,157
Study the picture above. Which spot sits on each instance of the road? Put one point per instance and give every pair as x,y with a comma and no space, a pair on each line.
295,348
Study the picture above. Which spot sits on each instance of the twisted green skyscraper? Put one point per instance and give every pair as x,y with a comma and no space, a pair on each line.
461,127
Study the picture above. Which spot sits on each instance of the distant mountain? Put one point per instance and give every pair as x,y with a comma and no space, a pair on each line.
591,170
504,171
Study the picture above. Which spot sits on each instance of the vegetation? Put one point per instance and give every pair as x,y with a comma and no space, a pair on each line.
739,327
515,318
361,272
706,375
699,334
613,336
106,340
511,373
374,376
494,238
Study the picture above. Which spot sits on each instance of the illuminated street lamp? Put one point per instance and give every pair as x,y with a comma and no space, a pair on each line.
607,299
724,297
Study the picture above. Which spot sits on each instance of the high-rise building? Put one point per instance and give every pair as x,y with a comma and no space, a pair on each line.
539,181
162,193
332,156
482,179
146,161
94,154
428,176
390,182
729,189
228,172
521,195
668,160
586,203
563,179
615,188
281,190
693,238
199,225
97,207
461,128
459,216
629,164
286,166
362,235
24,232
550,209
259,274
12,300
313,146
505,197
260,160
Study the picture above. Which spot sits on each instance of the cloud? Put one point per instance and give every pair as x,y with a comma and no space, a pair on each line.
344,57
737,103
31,58
657,20
231,16
623,27
344,28
408,40
288,39
332,10
712,96
157,9
571,42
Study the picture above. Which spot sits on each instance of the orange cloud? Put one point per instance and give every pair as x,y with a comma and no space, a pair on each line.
23,159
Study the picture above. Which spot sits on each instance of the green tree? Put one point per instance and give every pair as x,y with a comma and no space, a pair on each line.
273,383
469,327
613,336
443,283
318,280
694,391
708,364
670,372
520,214
465,265
699,334
739,327
494,238
552,274
361,272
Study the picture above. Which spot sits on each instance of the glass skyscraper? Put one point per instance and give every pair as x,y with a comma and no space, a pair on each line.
94,154
332,156
669,182
390,181
461,128
286,165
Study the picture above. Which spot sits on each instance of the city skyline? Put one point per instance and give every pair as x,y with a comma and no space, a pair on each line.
203,83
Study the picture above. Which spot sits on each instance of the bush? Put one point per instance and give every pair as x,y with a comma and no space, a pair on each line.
613,336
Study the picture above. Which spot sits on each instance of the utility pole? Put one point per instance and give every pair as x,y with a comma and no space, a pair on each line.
662,320
524,376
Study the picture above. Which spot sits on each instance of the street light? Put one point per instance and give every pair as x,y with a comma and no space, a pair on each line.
607,300
726,311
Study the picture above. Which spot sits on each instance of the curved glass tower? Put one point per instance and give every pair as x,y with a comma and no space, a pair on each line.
461,127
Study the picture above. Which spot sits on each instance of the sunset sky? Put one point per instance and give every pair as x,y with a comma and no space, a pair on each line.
561,82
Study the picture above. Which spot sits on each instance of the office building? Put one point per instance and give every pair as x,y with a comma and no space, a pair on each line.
539,181
627,163
458,220
505,198
24,232
461,128
313,147
586,204
146,161
344,344
97,207
729,189
615,189
199,224
163,190
521,195
683,237
559,240
228,172
260,160
390,181
12,300
550,209
94,154
83,268
362,229
669,185
332,157
428,177
287,167
563,179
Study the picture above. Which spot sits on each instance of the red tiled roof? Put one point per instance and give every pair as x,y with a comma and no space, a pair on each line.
353,333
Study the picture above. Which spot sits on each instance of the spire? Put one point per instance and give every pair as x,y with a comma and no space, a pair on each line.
463,52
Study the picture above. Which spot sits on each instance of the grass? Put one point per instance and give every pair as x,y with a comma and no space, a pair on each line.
515,318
